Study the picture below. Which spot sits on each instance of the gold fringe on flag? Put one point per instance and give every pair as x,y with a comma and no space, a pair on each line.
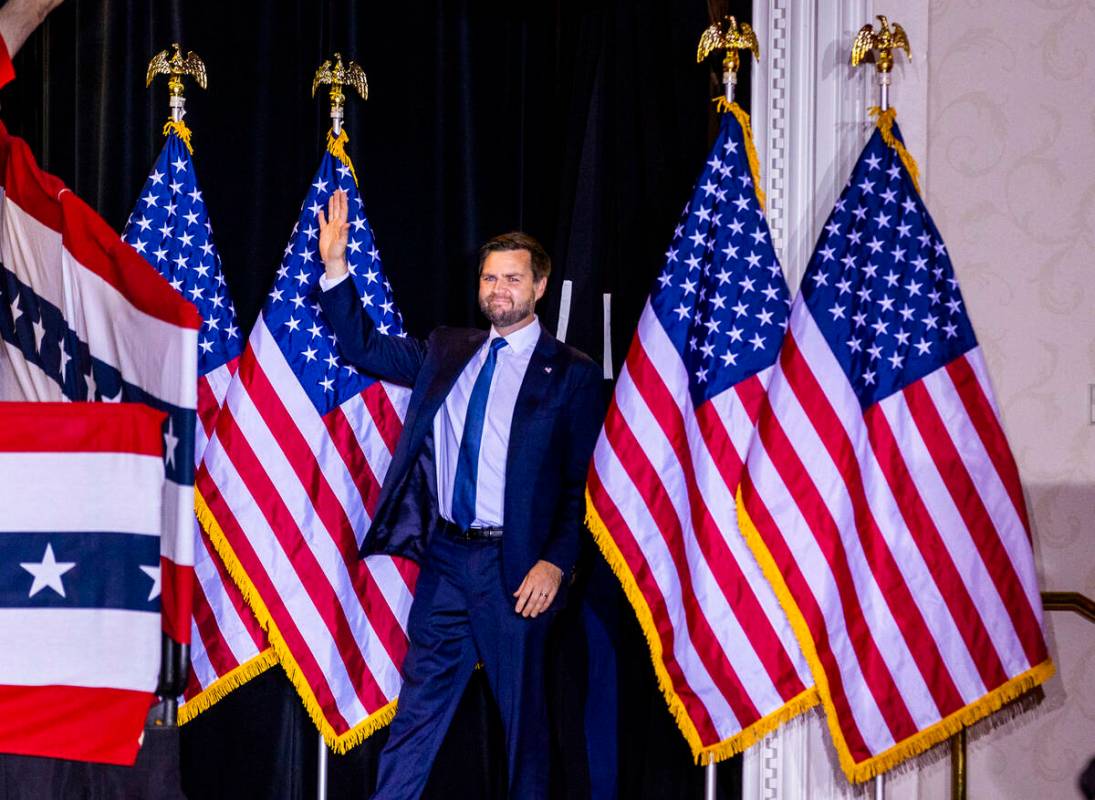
724,107
339,743
230,680
914,745
701,753
885,120
179,129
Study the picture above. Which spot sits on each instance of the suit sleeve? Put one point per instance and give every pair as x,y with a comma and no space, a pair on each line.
585,413
392,358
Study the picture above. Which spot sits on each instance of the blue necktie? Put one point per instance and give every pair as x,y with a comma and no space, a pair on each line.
467,462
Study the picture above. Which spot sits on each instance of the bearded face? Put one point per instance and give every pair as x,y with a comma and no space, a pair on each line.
507,291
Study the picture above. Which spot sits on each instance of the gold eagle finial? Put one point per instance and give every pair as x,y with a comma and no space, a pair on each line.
885,41
175,67
338,76
731,38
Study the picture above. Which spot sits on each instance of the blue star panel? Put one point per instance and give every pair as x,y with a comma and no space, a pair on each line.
880,284
170,228
721,296
291,312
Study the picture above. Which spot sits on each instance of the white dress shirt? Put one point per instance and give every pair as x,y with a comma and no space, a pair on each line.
448,423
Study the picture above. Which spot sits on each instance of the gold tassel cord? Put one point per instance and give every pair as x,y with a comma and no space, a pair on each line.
724,107
336,146
181,130
885,120
703,754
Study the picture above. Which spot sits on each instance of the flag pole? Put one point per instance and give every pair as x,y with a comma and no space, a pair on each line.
321,770
175,656
337,76
729,37
867,43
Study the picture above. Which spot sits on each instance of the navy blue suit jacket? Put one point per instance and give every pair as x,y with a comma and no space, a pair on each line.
556,420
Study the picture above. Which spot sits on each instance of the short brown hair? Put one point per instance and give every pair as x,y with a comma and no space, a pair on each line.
516,240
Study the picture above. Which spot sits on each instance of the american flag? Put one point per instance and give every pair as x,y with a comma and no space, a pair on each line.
881,496
668,463
84,318
170,227
292,474
79,577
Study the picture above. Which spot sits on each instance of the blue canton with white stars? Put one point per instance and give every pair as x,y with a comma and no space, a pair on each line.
291,312
880,284
170,228
721,296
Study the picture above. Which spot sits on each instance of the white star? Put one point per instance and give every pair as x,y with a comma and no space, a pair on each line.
868,377
170,443
757,341
837,311
47,572
729,359
206,345
328,384
145,223
293,323
150,199
682,311
309,354
157,177
867,186
154,574
874,244
688,286
826,253
896,361
872,162
39,333
889,196
923,347
179,164
882,220
320,185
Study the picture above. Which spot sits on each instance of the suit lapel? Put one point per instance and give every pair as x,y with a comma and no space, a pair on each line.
458,351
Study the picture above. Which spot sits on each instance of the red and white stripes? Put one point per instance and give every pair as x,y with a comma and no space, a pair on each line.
290,494
897,539
661,487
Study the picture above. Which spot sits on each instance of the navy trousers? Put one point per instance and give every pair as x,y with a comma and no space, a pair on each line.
462,614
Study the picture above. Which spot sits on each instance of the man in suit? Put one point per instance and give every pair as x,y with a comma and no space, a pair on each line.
485,490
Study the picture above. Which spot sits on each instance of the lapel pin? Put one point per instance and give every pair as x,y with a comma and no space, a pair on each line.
547,369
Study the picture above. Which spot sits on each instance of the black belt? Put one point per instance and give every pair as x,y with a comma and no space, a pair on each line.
471,534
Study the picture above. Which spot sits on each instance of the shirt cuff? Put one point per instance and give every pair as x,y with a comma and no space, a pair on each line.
326,284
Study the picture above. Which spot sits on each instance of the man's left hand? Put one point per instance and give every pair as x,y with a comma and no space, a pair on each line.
538,589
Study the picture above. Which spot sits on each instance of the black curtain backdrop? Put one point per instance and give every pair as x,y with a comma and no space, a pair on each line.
582,123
